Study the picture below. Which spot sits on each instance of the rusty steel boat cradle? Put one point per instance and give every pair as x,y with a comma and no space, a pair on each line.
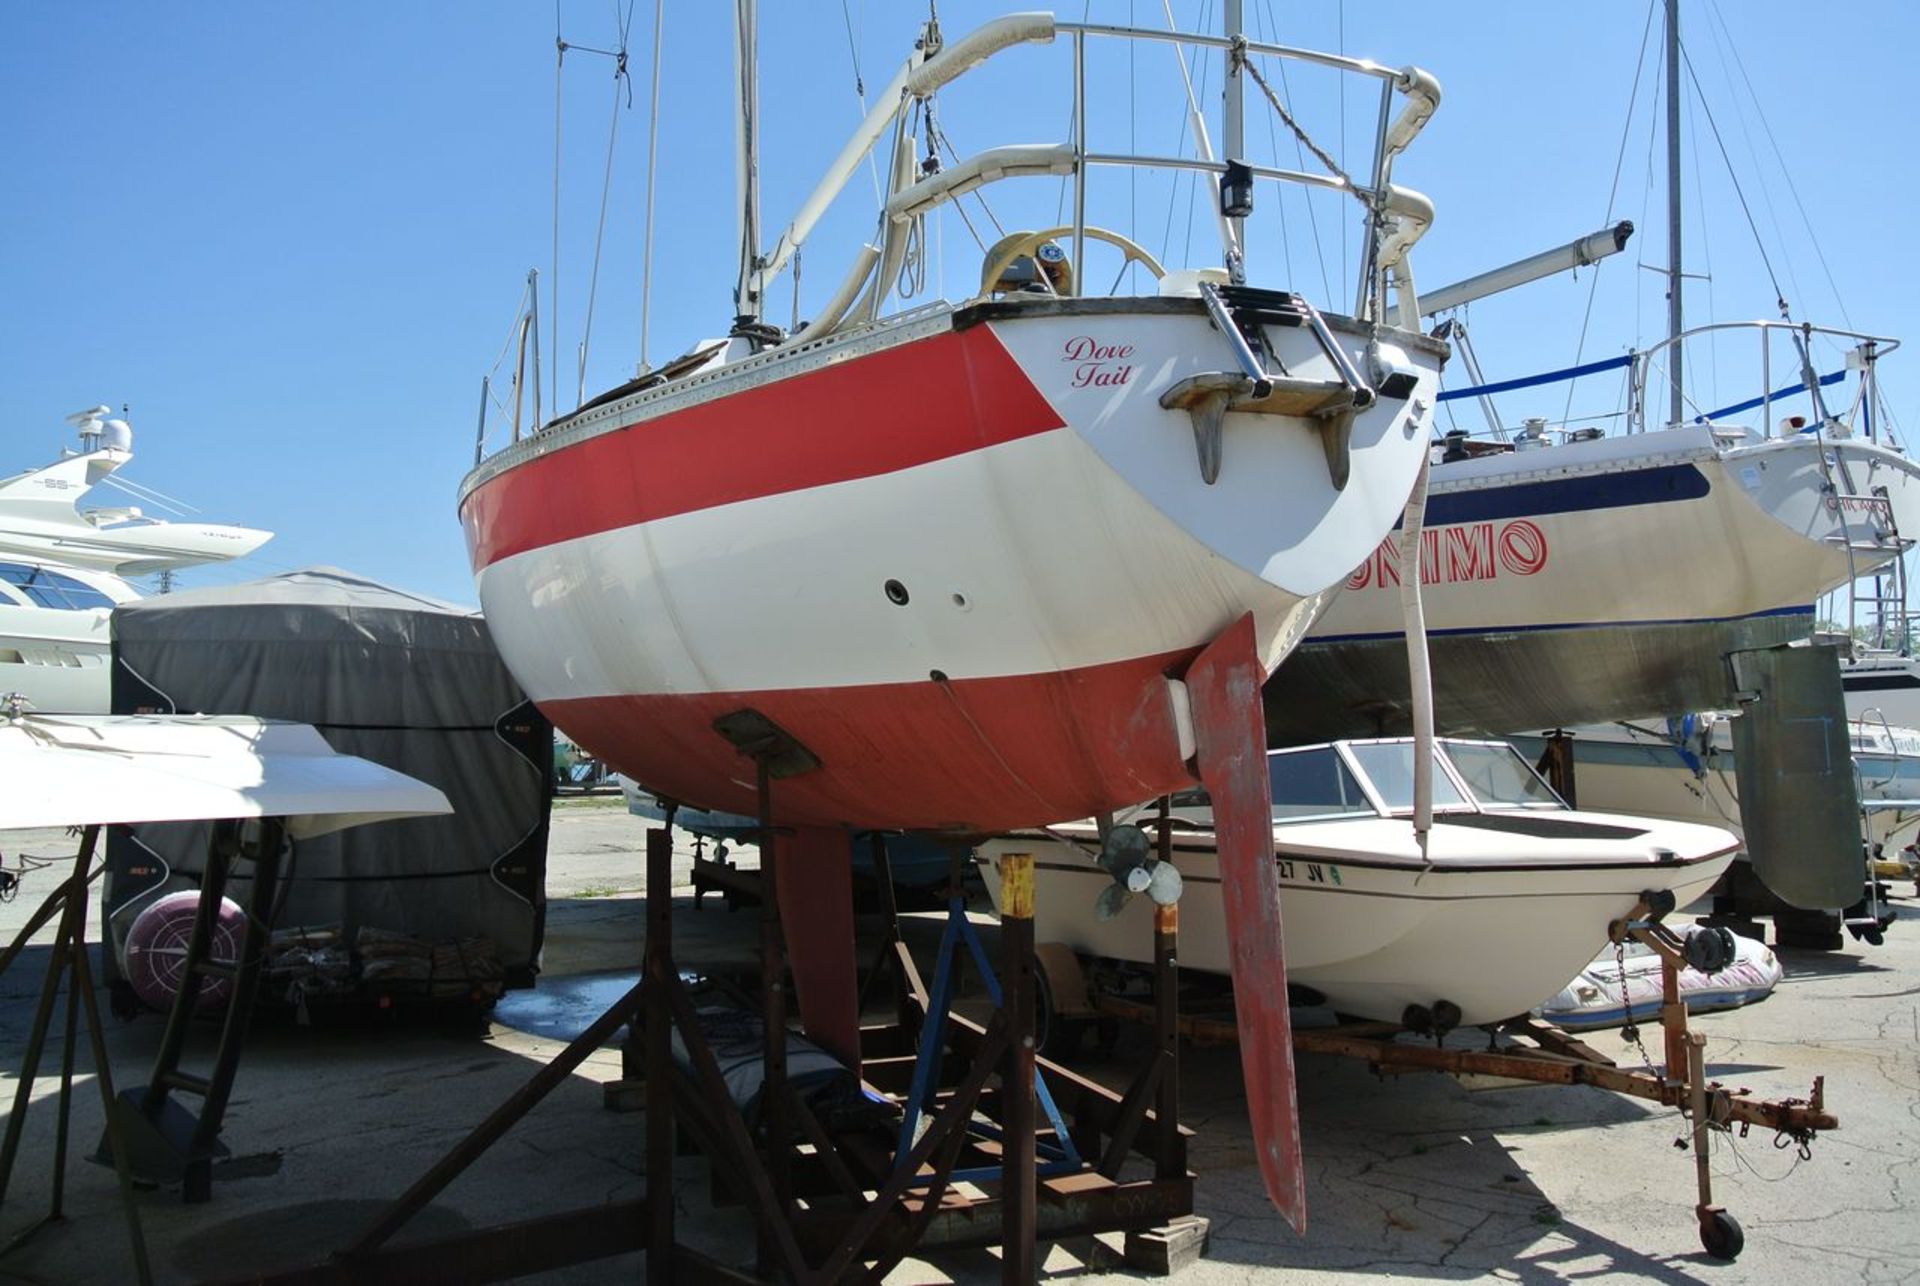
1530,1049
836,1205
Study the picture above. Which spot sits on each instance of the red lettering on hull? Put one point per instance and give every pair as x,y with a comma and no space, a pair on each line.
1475,551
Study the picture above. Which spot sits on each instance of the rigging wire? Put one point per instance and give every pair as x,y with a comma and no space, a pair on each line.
1779,297
653,155
553,281
1340,27
1133,149
1180,144
853,53
620,80
1613,191
1646,199
1268,32
1792,188
938,134
1193,185
1060,203
1706,256
1753,157
513,333
860,96
1184,61
1300,158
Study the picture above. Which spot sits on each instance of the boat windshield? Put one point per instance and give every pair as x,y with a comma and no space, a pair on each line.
1389,766
1313,783
51,589
1499,777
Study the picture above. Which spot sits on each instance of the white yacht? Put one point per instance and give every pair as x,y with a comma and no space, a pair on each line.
62,568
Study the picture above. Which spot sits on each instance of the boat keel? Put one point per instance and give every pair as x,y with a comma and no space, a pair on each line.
1230,737
815,891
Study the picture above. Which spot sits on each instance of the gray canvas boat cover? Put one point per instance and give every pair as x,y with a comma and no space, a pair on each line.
406,681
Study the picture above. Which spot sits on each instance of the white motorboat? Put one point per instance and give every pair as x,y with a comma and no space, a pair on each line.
1511,898
62,568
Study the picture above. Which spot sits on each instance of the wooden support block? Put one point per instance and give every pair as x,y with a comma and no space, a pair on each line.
952,1200
1165,1250
629,1094
1062,1188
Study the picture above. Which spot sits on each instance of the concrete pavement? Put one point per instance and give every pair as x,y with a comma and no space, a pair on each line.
1417,1176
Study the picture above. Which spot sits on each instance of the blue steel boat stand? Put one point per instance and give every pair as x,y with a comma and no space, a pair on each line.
958,936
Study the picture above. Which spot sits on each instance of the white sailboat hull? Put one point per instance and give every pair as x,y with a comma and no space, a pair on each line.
1597,580
957,562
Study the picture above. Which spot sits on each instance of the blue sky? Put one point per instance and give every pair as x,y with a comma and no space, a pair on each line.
293,237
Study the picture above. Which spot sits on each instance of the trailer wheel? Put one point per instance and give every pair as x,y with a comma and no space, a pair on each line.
1720,1234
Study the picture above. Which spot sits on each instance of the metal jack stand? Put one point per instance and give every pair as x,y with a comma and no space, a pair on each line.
835,1195
69,958
550,1241
169,1142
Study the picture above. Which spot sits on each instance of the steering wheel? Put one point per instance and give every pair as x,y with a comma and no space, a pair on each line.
1027,243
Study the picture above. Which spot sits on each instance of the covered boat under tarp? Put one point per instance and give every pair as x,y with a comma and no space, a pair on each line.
402,680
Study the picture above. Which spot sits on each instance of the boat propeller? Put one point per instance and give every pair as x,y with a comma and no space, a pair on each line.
1126,853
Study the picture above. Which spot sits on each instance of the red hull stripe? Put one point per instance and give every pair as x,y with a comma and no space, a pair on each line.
929,400
976,755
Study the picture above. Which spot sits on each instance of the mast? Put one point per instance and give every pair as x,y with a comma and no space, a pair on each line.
1233,140
1675,315
746,33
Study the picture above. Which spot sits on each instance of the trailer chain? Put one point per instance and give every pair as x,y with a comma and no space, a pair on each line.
1631,1031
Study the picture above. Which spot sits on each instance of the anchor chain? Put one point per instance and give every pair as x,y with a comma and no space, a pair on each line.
1239,53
